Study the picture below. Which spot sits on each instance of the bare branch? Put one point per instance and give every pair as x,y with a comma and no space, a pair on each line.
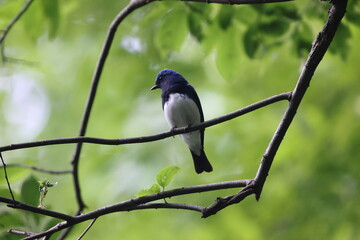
237,1
20,232
141,203
95,82
151,138
21,165
11,24
6,177
168,206
42,211
316,54
87,229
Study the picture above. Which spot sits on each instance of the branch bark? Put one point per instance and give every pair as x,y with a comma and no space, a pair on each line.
151,138
318,50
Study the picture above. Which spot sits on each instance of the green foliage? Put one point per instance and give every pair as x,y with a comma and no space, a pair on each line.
166,175
155,188
52,14
171,32
233,56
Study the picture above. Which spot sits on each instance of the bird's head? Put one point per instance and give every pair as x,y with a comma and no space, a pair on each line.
168,78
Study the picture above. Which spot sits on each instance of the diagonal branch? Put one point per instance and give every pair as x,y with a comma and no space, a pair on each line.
11,24
6,177
21,165
19,205
319,48
156,137
95,82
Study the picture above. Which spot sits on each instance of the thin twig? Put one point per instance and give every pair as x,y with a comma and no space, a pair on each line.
42,211
10,25
19,232
151,138
87,229
237,2
21,165
6,177
168,206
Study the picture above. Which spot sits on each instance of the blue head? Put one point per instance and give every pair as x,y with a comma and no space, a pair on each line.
169,80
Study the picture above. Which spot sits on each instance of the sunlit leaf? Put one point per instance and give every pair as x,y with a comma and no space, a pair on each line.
166,175
155,188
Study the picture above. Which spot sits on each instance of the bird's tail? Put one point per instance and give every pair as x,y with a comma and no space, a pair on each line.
201,163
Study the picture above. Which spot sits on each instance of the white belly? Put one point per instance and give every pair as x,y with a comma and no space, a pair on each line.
181,111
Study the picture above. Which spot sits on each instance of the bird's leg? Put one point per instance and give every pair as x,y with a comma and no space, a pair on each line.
172,131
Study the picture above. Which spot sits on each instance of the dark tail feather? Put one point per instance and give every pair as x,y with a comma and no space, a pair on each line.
201,163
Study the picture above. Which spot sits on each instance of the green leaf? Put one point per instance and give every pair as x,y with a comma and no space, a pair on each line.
251,42
30,191
166,175
302,39
51,12
275,27
353,12
225,16
340,44
229,53
194,23
155,188
171,32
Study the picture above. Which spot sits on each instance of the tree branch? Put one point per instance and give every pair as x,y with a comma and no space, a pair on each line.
151,138
231,2
21,165
134,4
87,229
11,24
316,54
133,204
42,211
6,177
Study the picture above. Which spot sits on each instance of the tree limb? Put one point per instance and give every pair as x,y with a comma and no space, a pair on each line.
151,138
130,205
19,205
318,50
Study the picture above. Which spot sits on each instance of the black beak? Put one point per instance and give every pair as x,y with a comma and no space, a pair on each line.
154,87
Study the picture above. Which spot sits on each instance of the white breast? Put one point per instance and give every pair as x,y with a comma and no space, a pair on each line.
181,111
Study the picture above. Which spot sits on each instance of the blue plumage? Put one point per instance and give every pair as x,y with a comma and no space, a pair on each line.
182,108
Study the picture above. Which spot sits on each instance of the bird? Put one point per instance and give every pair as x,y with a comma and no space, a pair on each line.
182,108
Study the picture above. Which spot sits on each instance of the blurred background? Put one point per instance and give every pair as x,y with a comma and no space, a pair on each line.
233,56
